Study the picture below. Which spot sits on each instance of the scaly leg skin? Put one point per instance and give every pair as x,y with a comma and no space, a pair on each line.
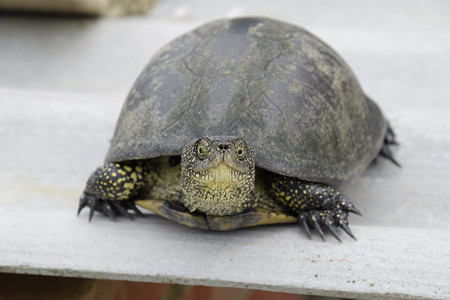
318,206
111,189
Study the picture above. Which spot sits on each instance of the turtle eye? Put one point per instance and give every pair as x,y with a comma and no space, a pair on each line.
240,151
202,148
201,152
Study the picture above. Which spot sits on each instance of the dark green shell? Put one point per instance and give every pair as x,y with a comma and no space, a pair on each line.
274,84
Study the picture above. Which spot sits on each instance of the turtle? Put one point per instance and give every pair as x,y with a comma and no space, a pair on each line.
242,122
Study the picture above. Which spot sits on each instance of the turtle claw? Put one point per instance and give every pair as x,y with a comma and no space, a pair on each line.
333,231
329,220
347,230
303,219
312,219
353,209
121,209
318,229
133,206
109,208
83,203
89,201
387,153
91,214
389,140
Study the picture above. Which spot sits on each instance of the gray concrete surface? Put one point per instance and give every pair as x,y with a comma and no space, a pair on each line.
62,84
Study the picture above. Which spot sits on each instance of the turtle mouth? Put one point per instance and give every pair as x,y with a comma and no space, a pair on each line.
221,173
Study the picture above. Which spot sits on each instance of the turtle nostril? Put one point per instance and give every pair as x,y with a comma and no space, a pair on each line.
223,147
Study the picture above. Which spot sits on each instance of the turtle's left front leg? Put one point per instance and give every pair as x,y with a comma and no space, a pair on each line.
317,205
111,189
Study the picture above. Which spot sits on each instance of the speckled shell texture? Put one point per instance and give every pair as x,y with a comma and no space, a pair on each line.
274,84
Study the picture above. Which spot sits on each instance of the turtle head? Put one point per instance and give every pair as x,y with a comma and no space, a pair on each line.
217,175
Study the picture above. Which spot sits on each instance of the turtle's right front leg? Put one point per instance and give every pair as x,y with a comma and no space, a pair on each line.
112,187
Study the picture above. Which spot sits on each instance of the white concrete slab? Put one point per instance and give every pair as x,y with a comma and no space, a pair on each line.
62,84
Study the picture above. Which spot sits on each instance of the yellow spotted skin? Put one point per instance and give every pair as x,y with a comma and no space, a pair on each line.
117,181
299,195
316,205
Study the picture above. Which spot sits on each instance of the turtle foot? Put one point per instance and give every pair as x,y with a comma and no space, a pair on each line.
328,220
110,208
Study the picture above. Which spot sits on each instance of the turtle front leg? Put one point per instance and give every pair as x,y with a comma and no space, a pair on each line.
318,206
111,189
